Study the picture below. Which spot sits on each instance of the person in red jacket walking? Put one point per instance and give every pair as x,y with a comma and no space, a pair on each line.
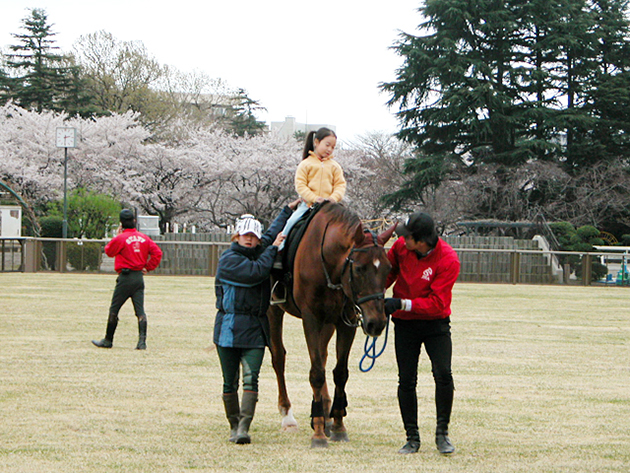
135,254
424,270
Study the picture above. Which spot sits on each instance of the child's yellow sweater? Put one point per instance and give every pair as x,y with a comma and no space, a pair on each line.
320,178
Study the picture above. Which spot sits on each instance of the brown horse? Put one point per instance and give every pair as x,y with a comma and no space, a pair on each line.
338,284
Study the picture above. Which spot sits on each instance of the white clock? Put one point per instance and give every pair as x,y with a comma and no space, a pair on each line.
66,138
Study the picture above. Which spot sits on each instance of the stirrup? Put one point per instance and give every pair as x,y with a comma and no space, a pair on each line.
281,300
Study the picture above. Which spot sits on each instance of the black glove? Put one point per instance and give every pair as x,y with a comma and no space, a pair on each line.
392,304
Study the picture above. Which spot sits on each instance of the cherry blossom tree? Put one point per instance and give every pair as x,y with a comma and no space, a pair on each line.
29,160
205,176
251,174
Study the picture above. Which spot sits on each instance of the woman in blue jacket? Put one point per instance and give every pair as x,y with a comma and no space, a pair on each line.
241,328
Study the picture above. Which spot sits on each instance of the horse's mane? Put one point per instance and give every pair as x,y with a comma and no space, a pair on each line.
338,213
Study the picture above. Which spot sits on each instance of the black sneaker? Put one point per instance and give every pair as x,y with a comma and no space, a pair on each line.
412,446
444,445
102,343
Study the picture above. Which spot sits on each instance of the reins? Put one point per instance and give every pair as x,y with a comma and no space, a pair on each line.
370,351
372,346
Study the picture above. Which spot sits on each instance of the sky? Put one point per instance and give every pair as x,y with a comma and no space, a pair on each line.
320,62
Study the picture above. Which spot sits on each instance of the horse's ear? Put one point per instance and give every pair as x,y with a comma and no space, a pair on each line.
358,237
386,235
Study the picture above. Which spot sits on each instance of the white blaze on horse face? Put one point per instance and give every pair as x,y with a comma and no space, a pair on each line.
377,263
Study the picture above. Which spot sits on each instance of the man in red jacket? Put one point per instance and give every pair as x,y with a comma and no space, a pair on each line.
135,255
424,269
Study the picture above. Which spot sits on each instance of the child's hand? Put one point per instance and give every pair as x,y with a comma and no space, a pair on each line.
279,239
293,205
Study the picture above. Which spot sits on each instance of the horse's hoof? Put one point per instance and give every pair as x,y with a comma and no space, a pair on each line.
339,437
319,443
289,424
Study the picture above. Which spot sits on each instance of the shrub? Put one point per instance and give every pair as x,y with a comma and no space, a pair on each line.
85,255
51,226
587,232
563,232
580,240
598,270
90,215
598,242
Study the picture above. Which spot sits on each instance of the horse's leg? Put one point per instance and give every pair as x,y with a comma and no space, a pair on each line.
345,337
317,378
278,357
327,333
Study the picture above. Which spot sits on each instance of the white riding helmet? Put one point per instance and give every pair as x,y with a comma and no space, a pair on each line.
247,223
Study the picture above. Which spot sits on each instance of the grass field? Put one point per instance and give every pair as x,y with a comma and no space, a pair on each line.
542,380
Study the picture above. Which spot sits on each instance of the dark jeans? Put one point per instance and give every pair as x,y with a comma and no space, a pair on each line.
231,358
436,337
128,285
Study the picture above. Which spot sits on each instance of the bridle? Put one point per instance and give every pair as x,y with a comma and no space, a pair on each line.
348,266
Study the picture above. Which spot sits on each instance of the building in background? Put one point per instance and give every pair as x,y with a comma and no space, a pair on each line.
148,224
291,128
10,221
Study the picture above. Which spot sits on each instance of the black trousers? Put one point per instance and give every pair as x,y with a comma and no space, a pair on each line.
128,285
410,335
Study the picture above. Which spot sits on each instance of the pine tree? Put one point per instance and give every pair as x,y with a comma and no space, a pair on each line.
4,85
241,118
506,82
608,98
41,79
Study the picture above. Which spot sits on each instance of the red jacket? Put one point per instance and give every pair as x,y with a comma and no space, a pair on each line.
427,281
132,250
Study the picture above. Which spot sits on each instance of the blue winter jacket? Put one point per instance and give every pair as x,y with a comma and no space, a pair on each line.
243,289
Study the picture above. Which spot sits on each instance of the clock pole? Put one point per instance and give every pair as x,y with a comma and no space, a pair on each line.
64,227
66,138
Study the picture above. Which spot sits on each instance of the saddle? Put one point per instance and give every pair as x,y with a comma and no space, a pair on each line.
284,276
295,237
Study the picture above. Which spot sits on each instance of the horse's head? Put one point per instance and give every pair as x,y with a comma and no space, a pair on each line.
365,278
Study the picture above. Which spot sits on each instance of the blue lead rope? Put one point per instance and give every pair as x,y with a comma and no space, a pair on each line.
369,349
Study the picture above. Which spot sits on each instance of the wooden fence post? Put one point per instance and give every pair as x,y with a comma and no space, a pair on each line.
515,267
587,269
31,256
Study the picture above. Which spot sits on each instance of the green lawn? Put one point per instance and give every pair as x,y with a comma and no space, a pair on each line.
542,378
